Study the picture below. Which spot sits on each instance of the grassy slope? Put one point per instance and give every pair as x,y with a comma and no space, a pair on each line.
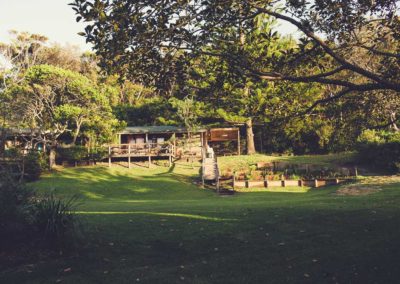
154,226
240,162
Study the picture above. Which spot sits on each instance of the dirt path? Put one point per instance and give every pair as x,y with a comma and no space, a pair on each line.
367,186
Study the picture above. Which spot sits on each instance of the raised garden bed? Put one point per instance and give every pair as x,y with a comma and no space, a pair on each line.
286,183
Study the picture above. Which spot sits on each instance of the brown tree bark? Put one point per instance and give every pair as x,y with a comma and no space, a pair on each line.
52,155
393,119
251,149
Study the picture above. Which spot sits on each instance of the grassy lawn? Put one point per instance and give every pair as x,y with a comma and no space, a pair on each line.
240,162
156,226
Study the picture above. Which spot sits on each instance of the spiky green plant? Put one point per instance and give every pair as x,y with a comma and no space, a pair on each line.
55,218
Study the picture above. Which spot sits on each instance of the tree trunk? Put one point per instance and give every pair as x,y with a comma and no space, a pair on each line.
52,155
251,149
393,120
76,134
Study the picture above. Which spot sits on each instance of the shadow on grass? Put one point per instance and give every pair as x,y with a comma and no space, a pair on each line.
120,183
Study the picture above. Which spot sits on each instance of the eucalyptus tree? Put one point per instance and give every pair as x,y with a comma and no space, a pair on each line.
15,58
141,38
52,101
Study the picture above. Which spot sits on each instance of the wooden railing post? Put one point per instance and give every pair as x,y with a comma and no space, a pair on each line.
217,173
203,154
129,156
109,156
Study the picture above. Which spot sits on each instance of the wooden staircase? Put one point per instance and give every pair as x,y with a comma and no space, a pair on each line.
210,172
210,169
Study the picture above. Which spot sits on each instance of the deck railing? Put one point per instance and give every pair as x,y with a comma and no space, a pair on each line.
142,149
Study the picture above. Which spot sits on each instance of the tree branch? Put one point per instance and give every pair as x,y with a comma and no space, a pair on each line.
342,93
329,50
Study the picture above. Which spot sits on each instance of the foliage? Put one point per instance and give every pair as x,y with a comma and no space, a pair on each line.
54,217
55,101
35,163
380,150
154,111
97,154
142,39
188,111
73,154
14,202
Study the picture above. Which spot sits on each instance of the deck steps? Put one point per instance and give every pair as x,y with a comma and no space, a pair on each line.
210,169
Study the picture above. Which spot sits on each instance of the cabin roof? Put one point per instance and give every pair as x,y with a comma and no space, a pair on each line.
21,131
156,129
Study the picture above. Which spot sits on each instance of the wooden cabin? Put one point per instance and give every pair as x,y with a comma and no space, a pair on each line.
24,139
157,141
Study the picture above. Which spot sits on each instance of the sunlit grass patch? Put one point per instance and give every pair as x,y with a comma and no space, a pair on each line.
163,214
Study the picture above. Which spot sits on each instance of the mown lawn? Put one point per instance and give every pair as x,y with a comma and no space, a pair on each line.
235,163
156,226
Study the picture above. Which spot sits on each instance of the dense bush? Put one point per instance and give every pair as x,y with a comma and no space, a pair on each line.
27,167
34,164
380,150
77,154
26,219
15,210
14,203
97,154
73,154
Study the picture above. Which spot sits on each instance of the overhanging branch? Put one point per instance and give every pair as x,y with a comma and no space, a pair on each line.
346,64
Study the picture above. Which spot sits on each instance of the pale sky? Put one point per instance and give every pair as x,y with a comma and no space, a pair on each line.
51,18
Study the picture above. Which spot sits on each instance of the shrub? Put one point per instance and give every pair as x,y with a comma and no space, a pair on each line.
98,154
73,154
54,218
14,204
379,150
35,164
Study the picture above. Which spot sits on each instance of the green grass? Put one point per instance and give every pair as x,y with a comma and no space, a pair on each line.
156,226
235,163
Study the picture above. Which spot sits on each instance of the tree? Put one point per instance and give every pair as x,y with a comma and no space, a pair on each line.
66,57
188,111
52,101
238,99
15,58
139,38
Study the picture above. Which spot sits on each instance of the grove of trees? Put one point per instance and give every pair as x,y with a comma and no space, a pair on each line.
312,92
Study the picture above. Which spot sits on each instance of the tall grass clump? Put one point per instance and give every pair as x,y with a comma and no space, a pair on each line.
55,218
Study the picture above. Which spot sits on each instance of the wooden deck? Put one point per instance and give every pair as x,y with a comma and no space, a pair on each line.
149,150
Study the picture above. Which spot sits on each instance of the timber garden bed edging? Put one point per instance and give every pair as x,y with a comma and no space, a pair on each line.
315,183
